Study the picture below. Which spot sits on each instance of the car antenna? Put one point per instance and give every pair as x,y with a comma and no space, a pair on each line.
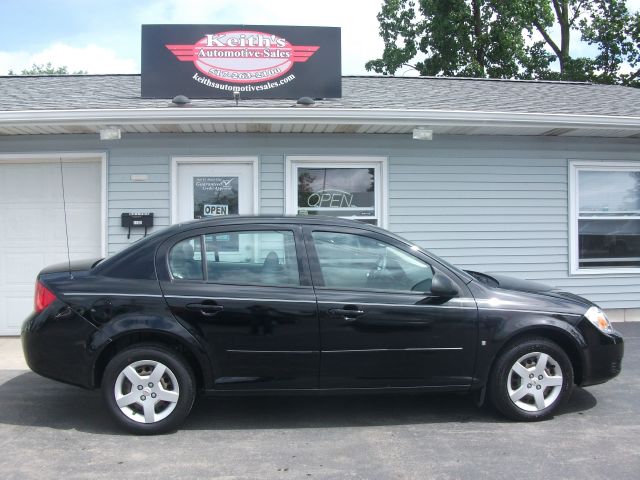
66,226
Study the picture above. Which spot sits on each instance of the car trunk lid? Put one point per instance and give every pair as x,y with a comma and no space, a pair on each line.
73,266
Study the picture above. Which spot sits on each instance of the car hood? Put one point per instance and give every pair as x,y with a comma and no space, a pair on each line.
511,283
517,285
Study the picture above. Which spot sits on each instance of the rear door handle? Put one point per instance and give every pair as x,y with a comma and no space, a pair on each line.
349,314
205,309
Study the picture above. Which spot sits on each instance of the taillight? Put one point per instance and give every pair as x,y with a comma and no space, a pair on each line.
43,297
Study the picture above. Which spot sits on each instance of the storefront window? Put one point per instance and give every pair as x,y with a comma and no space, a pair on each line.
608,217
340,192
336,188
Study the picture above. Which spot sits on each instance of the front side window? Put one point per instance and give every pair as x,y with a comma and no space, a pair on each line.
356,262
606,217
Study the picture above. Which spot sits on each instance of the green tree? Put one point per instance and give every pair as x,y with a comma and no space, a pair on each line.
47,69
633,57
611,28
541,16
450,37
498,39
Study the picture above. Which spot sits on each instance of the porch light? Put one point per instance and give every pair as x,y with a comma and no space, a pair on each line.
110,133
421,133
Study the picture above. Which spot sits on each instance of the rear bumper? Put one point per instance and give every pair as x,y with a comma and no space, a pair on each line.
602,356
56,346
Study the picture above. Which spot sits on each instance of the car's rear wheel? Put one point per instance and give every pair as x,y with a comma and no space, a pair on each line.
148,389
531,379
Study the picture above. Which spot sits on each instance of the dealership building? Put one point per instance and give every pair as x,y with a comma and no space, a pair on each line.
538,180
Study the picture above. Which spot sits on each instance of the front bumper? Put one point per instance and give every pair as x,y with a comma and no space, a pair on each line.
602,357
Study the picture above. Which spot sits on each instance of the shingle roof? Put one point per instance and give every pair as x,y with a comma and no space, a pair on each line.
69,92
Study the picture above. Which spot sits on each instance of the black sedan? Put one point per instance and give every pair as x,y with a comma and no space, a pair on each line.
245,305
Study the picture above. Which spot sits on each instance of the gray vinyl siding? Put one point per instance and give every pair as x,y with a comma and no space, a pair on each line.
272,184
495,204
499,211
127,196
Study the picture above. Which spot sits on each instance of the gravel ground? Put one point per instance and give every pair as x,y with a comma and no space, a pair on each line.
51,430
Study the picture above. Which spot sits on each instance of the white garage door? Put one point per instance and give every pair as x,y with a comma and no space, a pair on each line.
32,230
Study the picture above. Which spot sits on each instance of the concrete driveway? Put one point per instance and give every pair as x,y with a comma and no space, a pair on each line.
51,430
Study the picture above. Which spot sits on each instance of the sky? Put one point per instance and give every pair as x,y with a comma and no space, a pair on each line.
104,36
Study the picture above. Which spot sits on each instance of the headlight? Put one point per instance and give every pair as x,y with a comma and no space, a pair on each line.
599,319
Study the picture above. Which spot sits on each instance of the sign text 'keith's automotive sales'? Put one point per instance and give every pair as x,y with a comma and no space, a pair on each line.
213,61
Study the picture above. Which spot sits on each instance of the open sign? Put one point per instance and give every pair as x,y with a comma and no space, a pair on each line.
216,210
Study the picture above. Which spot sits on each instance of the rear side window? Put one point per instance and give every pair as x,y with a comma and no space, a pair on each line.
185,259
238,258
252,258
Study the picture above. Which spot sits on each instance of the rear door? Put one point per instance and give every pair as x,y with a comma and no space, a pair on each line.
246,291
379,324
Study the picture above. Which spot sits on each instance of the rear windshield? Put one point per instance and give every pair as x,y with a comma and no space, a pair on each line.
135,261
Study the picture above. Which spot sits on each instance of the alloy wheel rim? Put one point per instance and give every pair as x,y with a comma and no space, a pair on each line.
535,382
146,391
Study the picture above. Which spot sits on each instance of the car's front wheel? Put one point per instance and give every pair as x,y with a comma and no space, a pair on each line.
531,379
148,389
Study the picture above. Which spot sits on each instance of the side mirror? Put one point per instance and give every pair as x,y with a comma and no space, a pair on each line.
443,286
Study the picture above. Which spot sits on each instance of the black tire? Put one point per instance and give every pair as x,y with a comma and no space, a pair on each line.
502,380
178,378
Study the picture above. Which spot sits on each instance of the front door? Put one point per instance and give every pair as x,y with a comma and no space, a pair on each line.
212,189
379,324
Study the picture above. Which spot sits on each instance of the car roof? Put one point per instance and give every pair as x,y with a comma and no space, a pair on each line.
157,237
268,219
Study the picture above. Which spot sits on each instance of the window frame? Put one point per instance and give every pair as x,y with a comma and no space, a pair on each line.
378,163
301,257
575,167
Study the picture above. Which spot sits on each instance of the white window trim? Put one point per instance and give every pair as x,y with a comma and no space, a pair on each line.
574,167
182,159
55,157
343,161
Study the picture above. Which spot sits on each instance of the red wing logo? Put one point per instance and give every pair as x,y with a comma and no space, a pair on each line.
242,56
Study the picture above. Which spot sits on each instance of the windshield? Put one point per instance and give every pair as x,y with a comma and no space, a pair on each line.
461,273
484,278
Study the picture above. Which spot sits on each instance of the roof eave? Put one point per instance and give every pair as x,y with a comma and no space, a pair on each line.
314,115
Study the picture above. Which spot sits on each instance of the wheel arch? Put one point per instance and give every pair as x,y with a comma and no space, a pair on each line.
201,369
569,341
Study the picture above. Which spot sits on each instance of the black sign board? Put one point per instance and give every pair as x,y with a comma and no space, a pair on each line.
258,61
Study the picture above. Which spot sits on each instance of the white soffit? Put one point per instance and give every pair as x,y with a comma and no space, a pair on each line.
313,120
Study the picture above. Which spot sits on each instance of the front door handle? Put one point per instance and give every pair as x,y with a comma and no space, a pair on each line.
205,309
349,314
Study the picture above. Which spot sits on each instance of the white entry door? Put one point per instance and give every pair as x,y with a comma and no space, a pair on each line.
208,188
32,226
